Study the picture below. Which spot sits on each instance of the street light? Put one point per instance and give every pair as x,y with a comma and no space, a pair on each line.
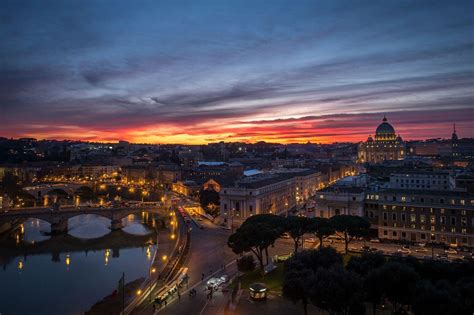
432,245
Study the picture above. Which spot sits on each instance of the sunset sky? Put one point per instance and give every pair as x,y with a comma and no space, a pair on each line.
206,71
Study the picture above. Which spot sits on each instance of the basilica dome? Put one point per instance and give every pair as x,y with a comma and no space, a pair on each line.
385,131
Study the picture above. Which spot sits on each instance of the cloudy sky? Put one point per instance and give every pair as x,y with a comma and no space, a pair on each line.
204,71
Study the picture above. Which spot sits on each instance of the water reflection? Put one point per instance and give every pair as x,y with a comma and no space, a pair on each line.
80,267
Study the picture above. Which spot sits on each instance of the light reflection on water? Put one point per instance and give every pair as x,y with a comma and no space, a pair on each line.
38,285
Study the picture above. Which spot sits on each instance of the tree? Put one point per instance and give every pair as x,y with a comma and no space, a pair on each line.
246,263
321,228
373,287
255,238
10,185
350,227
296,228
363,264
272,222
337,291
465,290
435,300
398,283
209,200
297,285
312,259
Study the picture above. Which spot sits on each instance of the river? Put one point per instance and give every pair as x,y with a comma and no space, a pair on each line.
76,272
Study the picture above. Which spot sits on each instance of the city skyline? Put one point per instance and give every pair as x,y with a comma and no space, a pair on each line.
193,74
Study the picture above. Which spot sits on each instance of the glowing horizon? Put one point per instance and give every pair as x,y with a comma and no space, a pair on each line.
197,73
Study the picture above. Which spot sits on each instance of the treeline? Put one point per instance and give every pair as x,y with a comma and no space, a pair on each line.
403,284
259,232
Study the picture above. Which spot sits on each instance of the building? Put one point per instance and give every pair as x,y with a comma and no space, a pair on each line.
424,216
386,146
186,187
337,199
135,174
277,193
420,179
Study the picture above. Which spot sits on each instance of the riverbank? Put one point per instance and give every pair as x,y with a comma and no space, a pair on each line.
112,304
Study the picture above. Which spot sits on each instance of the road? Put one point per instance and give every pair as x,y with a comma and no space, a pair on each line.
390,249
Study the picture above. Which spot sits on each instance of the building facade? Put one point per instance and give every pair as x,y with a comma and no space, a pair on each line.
274,193
336,200
386,146
423,216
418,179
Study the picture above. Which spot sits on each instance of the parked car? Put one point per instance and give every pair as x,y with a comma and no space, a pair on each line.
374,240
421,250
310,240
451,251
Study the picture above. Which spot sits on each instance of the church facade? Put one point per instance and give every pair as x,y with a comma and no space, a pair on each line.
385,147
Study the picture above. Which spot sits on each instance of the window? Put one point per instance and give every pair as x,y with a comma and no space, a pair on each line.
432,219
412,217
385,216
250,208
403,217
225,206
385,232
453,220
394,233
423,236
394,216
422,218
442,219
463,221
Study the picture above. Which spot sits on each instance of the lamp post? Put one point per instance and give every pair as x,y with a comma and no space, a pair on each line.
432,245
232,213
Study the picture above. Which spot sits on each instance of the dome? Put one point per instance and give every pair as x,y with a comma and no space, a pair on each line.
385,131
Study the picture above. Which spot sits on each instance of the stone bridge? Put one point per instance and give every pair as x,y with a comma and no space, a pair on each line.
59,218
65,243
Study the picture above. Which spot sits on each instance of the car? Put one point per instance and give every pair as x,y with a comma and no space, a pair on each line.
420,244
285,235
215,283
467,257
404,250
451,251
310,240
421,250
374,240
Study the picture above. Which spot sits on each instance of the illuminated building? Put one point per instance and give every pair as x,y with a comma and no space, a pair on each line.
386,146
